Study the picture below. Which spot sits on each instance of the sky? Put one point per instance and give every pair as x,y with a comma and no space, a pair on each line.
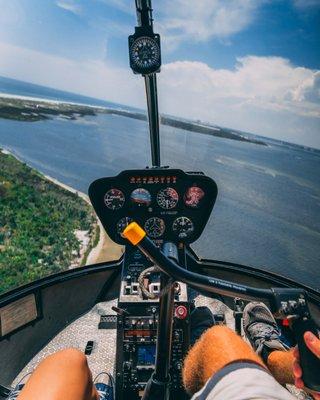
251,65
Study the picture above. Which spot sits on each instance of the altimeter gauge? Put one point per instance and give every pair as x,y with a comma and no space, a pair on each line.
155,227
122,224
167,198
114,199
183,227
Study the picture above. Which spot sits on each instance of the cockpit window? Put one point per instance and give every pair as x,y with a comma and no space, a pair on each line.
46,226
238,101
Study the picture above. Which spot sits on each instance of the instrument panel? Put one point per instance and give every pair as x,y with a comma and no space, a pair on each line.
169,204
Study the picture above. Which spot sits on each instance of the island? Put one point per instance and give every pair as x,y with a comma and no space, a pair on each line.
32,110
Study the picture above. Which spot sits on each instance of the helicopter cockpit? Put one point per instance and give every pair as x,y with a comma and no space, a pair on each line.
173,207
132,316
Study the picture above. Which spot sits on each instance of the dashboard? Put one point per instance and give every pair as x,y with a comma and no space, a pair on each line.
170,204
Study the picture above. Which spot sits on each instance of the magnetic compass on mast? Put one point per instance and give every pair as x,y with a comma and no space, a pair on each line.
144,44
145,60
145,57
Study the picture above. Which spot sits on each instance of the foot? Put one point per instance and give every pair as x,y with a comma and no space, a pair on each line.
201,320
104,386
17,390
262,330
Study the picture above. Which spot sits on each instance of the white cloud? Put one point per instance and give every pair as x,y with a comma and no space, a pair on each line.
69,5
264,95
269,83
185,20
92,78
197,21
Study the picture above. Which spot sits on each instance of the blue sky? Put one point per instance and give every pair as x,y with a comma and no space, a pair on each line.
247,64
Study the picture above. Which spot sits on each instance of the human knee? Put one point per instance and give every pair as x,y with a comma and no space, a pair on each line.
218,332
222,345
69,374
70,356
74,356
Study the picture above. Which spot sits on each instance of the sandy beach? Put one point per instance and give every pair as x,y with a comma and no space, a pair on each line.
106,249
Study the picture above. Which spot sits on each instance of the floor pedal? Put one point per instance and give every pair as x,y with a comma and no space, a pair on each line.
220,319
108,322
89,347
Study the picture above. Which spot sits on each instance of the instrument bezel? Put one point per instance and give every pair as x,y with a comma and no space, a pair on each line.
154,180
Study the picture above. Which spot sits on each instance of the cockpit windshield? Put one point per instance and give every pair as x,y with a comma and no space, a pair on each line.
71,112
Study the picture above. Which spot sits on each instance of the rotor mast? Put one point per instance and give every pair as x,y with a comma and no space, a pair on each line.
145,24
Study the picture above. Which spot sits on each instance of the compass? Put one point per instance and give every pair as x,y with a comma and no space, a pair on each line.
144,52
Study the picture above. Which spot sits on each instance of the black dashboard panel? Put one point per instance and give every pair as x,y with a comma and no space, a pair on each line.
169,204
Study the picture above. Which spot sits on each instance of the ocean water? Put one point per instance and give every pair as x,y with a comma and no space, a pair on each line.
268,206
20,88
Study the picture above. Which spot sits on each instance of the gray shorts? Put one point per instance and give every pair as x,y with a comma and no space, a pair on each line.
242,381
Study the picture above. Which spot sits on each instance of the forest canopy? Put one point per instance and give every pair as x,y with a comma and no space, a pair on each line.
38,221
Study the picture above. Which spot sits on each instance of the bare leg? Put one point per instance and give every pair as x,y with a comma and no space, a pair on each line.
63,375
280,364
216,348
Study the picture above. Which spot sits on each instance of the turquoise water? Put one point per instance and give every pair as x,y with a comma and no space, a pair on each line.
267,212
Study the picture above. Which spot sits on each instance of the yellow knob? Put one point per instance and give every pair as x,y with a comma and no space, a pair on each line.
134,233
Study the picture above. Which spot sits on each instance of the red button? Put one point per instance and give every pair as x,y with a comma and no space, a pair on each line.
181,312
285,322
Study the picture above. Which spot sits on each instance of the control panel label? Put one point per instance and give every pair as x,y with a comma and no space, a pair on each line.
152,179
17,314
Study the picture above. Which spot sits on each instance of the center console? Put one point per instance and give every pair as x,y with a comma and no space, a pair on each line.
137,331
172,206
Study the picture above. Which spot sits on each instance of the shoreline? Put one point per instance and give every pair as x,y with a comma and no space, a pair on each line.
34,109
106,249
47,101
22,108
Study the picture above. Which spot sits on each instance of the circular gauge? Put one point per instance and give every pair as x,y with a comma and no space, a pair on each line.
154,227
141,197
114,199
122,224
183,227
193,197
167,198
145,53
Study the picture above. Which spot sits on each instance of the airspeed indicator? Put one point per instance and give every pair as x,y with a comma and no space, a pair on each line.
114,199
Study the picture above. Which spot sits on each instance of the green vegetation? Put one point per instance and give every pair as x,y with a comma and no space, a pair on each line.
38,220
